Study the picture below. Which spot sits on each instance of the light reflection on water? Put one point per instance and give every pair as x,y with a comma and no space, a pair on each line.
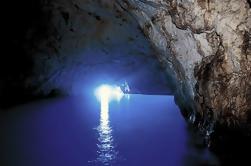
107,153
150,131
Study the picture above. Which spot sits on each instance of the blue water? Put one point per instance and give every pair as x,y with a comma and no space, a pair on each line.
145,130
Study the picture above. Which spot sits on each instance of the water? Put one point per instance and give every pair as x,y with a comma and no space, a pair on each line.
145,130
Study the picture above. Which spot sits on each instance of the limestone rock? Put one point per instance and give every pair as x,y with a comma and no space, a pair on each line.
205,46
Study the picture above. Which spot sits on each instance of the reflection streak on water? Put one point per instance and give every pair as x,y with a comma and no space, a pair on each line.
106,149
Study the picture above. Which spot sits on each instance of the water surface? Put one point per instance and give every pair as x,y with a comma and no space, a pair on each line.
145,130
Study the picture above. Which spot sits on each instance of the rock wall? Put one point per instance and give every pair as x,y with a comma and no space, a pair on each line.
206,48
71,46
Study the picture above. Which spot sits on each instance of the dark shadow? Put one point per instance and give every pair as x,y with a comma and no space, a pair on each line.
24,25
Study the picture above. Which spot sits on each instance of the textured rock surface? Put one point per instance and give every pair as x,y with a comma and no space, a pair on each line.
93,42
203,45
210,60
70,46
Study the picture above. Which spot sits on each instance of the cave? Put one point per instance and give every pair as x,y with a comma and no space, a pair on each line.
125,82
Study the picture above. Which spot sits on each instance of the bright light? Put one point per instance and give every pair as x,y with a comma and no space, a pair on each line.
106,148
108,92
105,94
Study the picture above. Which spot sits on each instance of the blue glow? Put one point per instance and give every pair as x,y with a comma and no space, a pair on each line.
105,93
106,149
108,93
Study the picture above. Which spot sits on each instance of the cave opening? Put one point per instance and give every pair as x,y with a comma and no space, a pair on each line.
69,49
125,82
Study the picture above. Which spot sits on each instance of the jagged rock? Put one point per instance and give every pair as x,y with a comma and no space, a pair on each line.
205,46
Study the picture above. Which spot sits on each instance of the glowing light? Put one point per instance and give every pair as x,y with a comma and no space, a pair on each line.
108,92
106,149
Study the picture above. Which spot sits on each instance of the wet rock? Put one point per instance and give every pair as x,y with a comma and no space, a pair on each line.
205,47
